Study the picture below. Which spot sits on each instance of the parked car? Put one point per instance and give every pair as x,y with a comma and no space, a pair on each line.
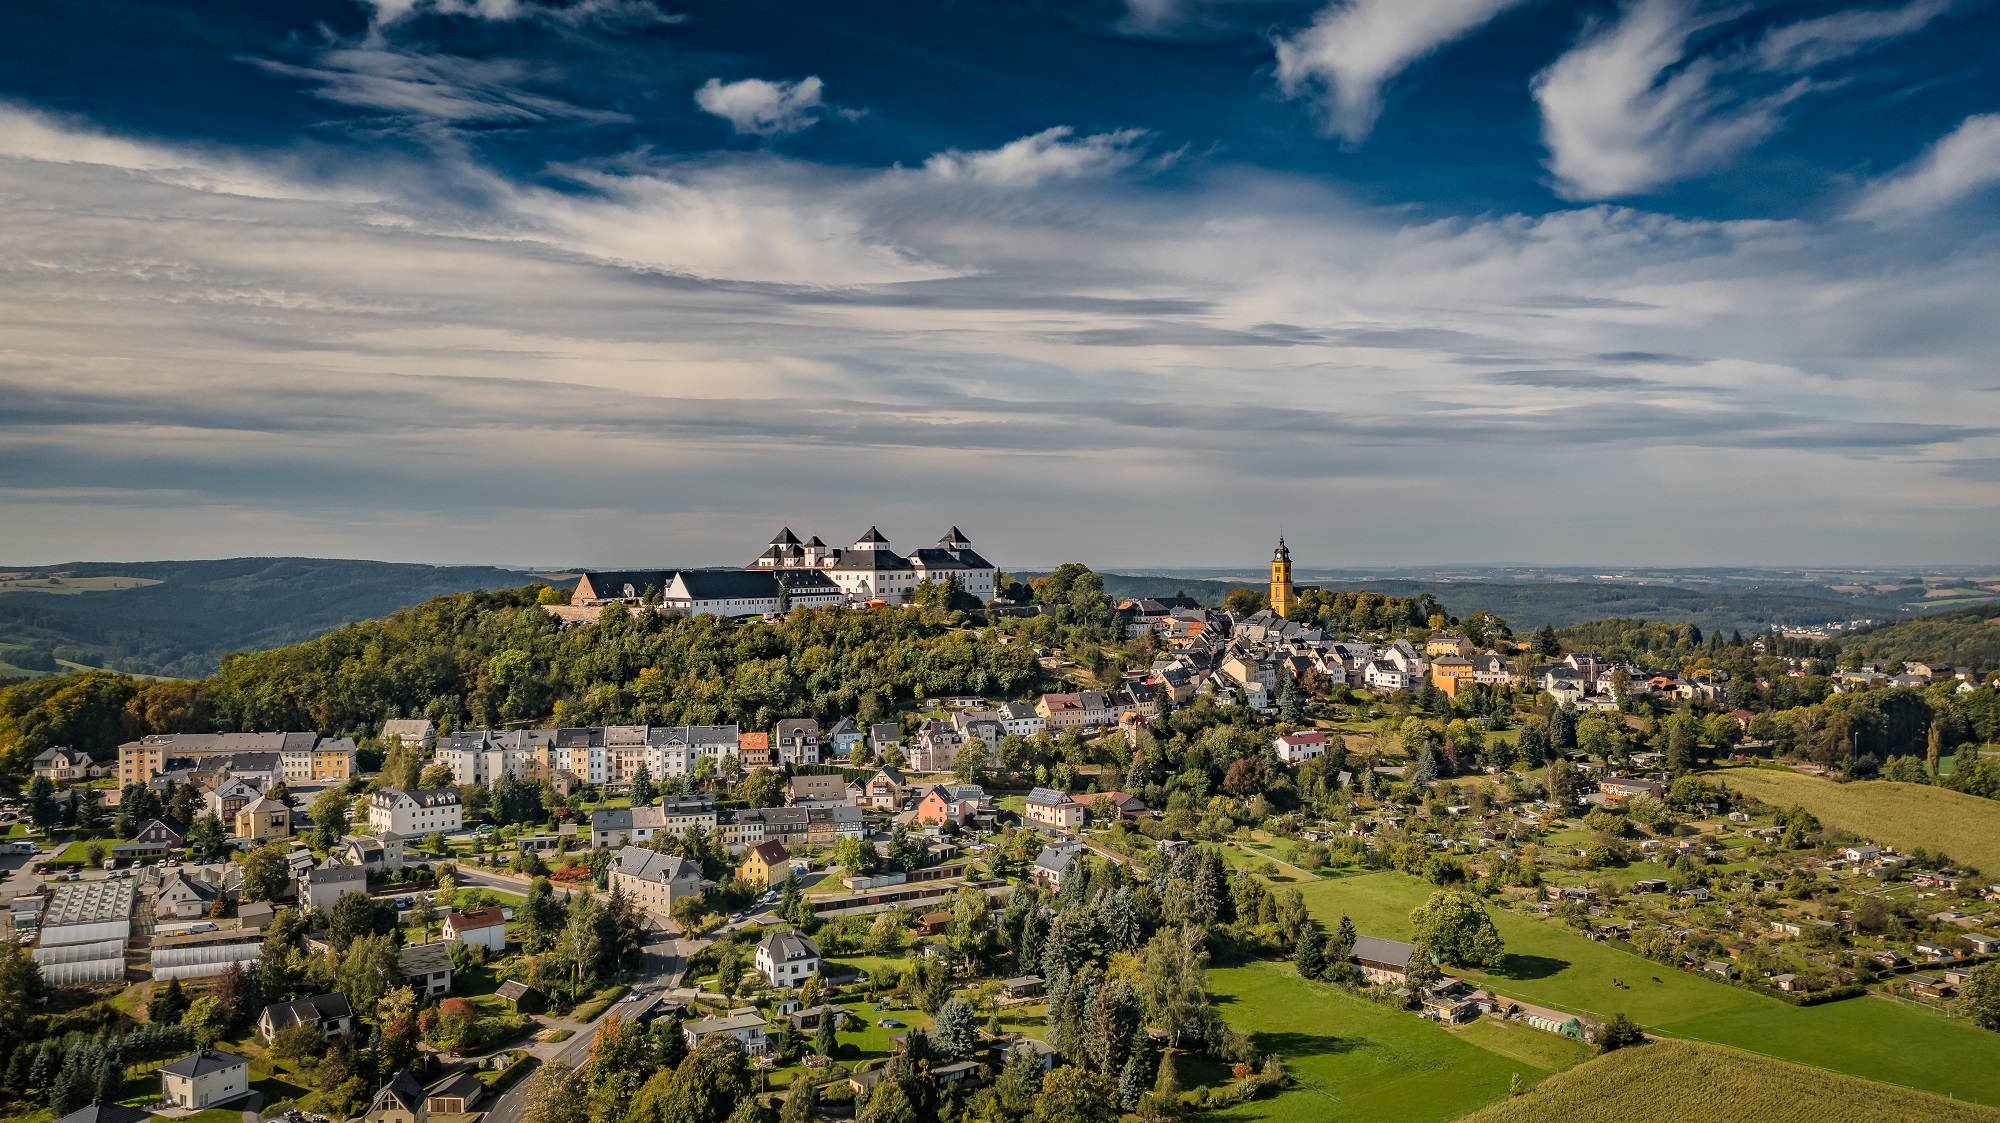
404,902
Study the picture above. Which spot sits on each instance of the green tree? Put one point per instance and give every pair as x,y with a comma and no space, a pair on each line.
355,915
1545,642
366,971
642,788
167,1004
1456,927
1309,956
826,1037
1619,1033
557,1095
329,818
801,1103
266,875
1979,995
206,839
955,1031
1072,1095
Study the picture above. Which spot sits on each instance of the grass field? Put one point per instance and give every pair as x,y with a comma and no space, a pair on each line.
1905,816
1550,965
1351,1059
71,585
1683,1082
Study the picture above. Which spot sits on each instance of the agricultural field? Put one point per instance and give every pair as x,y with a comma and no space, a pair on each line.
1353,1060
1685,1082
1549,965
41,583
1904,816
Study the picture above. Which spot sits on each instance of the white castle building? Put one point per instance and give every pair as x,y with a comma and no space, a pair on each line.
870,571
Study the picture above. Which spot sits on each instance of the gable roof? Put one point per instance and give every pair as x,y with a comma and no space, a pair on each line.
307,1011
751,584
1049,797
650,865
403,1089
1375,949
789,945
770,852
97,1111
472,920
425,959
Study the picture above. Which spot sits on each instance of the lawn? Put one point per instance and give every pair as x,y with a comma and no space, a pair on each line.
1550,965
1905,816
1682,1082
1351,1059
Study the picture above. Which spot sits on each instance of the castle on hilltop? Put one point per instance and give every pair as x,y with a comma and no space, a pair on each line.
794,574
870,570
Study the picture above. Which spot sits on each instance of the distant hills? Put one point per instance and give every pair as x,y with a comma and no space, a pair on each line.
192,613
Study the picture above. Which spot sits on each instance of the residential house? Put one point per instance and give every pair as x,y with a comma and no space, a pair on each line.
375,854
324,884
328,1013
203,1079
1061,711
884,736
953,803
1019,719
519,997
1052,864
416,813
654,881
765,863
1451,673
753,750
1378,674
64,765
747,1026
935,746
416,732
1297,748
1381,961
231,796
183,897
426,968
817,791
1493,670
99,1111
485,927
1052,808
885,790
401,1100
1625,787
845,736
164,832
797,741
263,819
1449,643
787,958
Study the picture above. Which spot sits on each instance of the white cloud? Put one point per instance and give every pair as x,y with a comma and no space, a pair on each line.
1354,48
432,87
435,379
760,108
625,12
1626,110
1808,43
1965,161
1046,155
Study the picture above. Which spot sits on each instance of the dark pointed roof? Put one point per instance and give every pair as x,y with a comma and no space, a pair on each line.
816,542
405,1089
1283,551
97,1111
785,538
953,539
873,535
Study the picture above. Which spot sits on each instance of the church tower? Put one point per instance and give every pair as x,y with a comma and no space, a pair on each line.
1283,596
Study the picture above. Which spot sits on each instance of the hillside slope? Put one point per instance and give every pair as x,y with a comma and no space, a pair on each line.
1685,1082
1967,636
1905,816
200,611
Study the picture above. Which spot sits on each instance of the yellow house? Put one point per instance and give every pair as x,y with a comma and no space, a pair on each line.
263,819
1449,643
766,862
1451,672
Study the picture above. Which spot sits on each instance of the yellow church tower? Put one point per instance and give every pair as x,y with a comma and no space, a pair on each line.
1283,596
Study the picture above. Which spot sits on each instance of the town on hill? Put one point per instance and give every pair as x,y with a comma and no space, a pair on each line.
853,833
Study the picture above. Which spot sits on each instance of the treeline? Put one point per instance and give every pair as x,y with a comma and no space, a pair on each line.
1963,637
487,659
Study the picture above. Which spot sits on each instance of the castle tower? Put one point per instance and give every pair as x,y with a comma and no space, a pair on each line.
1283,597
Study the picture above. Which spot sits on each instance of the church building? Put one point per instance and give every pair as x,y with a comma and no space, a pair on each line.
1284,594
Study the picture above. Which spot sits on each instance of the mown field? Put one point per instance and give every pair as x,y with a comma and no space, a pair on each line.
1552,966
1685,1082
1352,1060
1905,816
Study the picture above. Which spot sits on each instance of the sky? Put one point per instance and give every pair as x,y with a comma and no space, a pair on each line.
1138,283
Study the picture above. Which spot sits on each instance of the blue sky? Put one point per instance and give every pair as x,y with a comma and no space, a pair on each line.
634,282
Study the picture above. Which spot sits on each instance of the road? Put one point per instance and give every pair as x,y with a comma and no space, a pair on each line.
665,960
